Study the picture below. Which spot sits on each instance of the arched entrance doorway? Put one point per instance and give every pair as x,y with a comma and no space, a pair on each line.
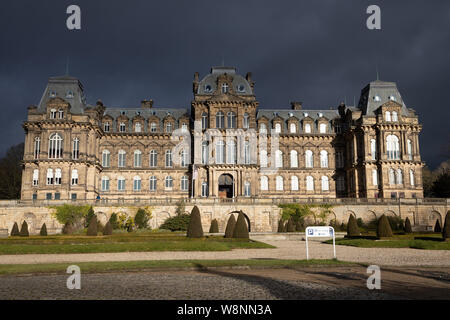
246,218
226,186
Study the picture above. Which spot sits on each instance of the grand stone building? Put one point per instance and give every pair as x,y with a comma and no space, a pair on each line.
223,146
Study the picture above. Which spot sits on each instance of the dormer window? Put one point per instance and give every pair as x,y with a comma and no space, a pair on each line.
106,127
53,114
69,94
307,128
123,113
224,88
169,127
61,113
122,127
278,127
241,88
377,98
392,98
52,94
137,127
153,127
208,88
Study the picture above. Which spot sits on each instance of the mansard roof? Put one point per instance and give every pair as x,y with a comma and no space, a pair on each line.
299,114
239,83
161,113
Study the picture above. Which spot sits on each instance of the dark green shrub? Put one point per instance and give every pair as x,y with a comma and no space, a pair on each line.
24,230
446,229
92,229
231,224
141,219
396,223
408,228
177,223
43,231
68,228
214,228
360,223
290,225
88,217
241,228
343,227
437,226
107,230
299,226
15,230
114,221
384,228
352,227
195,229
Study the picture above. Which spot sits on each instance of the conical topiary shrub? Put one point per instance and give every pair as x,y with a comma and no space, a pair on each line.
408,228
43,231
24,230
214,228
281,225
446,229
352,227
437,226
92,229
15,230
384,228
230,226
342,227
241,228
108,230
195,229
290,225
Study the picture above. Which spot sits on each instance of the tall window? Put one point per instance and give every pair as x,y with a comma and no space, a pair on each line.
137,127
307,128
294,159
153,158
35,177
339,159
121,159
53,114
373,149
75,149
74,180
374,177
262,128
37,147
204,121
309,183
391,176
246,121
278,159
392,147
309,161
61,113
49,176
152,183
325,183
387,116
292,128
294,183
55,148
205,152
264,183
105,158
169,183
204,189
137,183
231,152
399,176
231,120
105,183
411,177
323,128
323,159
58,176
394,116
169,158
247,159
340,184
137,159
263,158
121,184
184,183
409,149
220,151
247,189
279,183
278,127
220,121
184,161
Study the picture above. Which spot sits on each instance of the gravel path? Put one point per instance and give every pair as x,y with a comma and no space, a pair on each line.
286,249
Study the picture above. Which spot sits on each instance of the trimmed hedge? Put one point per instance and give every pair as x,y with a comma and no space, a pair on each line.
446,229
214,228
43,231
384,228
92,229
15,230
24,230
241,228
176,223
408,228
437,226
108,230
231,224
352,227
195,229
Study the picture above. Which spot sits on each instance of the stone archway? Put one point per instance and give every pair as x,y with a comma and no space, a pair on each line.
246,218
30,218
226,186
432,217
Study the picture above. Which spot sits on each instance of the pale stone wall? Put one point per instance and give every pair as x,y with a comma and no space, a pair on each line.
263,216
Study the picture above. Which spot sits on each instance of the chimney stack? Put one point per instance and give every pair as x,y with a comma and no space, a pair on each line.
147,104
296,105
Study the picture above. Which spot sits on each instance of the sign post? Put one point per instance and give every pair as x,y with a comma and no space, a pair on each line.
320,232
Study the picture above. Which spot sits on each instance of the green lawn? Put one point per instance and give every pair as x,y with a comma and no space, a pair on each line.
122,243
110,266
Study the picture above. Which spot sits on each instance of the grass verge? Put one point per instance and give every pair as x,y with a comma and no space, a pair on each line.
121,266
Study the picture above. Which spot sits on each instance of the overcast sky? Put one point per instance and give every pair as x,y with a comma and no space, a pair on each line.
319,52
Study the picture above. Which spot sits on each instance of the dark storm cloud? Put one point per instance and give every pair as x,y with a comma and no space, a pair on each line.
318,52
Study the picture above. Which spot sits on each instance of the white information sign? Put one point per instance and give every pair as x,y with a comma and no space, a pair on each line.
312,232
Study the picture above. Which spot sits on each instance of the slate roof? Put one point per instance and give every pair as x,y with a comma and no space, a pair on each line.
211,80
385,91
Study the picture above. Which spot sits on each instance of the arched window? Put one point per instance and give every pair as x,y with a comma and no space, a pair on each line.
323,128
394,116
293,128
263,158
392,147
247,189
309,183
106,155
373,149
137,127
307,128
204,121
231,120
37,147
49,176
121,184
323,159
294,159
278,159
61,114
409,149
35,177
294,183
246,121
374,177
74,180
169,158
75,149
399,176
279,183
184,185
264,183
262,128
169,183
152,183
387,116
137,183
220,122
184,161
153,158
391,176
105,183
411,177
121,159
309,161
247,159
205,152
220,151
55,148
231,152
325,183
53,114
278,127
137,158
